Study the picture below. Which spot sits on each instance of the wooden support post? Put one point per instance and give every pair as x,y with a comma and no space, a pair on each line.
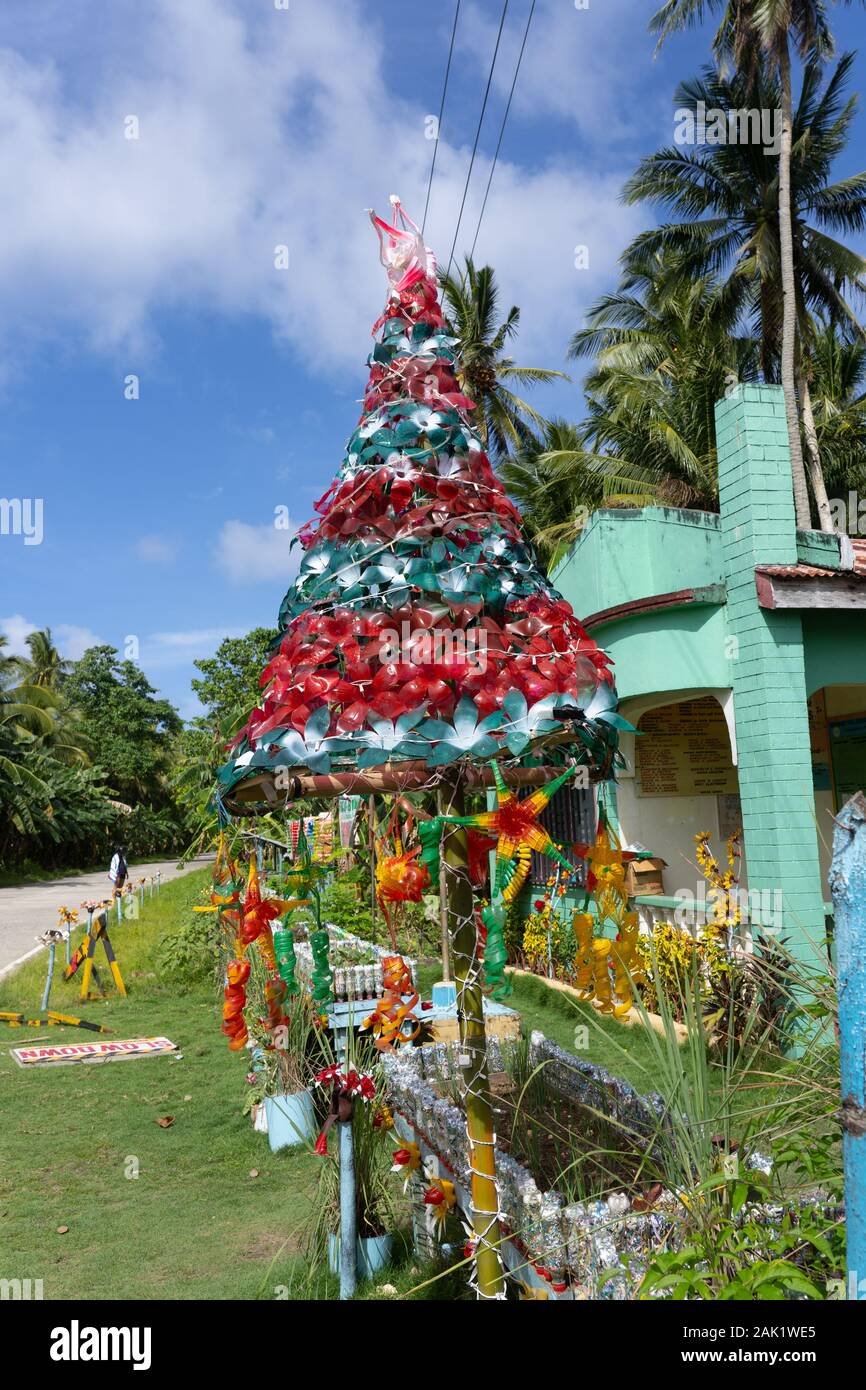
473,1054
848,887
371,831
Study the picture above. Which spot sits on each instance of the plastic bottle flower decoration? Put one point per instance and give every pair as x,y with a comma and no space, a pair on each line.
440,1199
400,878
407,1161
345,1087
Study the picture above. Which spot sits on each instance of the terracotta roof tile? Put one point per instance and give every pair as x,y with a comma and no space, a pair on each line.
859,548
804,572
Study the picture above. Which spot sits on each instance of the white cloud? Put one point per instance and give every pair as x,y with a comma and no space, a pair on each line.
258,128
255,554
15,629
159,650
156,550
71,640
583,66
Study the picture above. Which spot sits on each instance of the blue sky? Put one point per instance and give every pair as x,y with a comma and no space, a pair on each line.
260,127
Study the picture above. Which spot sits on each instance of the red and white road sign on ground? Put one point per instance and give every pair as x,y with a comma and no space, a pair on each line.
91,1052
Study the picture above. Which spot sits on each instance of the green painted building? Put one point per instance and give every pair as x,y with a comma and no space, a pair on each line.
740,651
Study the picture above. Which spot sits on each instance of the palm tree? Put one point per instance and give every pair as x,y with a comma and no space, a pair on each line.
45,667
503,419
838,367
727,195
554,503
749,31
665,348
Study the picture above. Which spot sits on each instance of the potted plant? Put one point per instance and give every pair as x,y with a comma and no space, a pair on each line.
290,1062
374,1208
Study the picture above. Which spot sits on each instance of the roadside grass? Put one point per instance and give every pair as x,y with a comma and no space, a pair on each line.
193,1223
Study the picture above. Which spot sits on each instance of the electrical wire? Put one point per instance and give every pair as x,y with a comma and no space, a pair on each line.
439,122
502,127
477,135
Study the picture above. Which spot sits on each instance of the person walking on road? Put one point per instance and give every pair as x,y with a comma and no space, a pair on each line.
119,869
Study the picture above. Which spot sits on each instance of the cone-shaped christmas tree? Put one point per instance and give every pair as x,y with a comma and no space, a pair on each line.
420,626
421,630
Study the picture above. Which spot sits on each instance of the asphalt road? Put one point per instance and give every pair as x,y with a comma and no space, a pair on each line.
27,911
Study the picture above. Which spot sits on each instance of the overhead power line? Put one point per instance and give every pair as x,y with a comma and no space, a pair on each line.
502,127
441,110
477,135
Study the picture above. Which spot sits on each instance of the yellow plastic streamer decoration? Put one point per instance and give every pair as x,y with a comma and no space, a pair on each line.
601,957
582,924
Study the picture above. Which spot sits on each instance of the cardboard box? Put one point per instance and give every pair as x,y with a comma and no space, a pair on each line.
644,878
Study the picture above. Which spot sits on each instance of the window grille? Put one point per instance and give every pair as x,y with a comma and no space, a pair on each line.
569,818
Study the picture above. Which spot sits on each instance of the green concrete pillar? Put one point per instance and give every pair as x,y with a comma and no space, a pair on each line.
767,665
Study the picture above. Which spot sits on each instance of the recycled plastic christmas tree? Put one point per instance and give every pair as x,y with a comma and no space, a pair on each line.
420,637
420,626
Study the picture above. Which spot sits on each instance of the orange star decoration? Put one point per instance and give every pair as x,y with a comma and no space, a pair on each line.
516,826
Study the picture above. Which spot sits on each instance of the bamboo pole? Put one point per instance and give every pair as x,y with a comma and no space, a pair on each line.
371,830
473,1058
409,776
443,900
848,886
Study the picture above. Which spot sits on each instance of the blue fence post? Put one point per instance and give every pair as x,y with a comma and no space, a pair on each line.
848,887
348,1231
49,977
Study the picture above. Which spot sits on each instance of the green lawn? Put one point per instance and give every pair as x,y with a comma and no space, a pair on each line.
194,1223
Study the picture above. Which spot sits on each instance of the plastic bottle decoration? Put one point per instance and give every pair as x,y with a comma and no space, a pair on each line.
235,998
495,981
517,830
284,947
323,979
621,984
582,925
258,912
601,974
393,1013
480,847
628,938
275,994
440,1199
400,878
406,1162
